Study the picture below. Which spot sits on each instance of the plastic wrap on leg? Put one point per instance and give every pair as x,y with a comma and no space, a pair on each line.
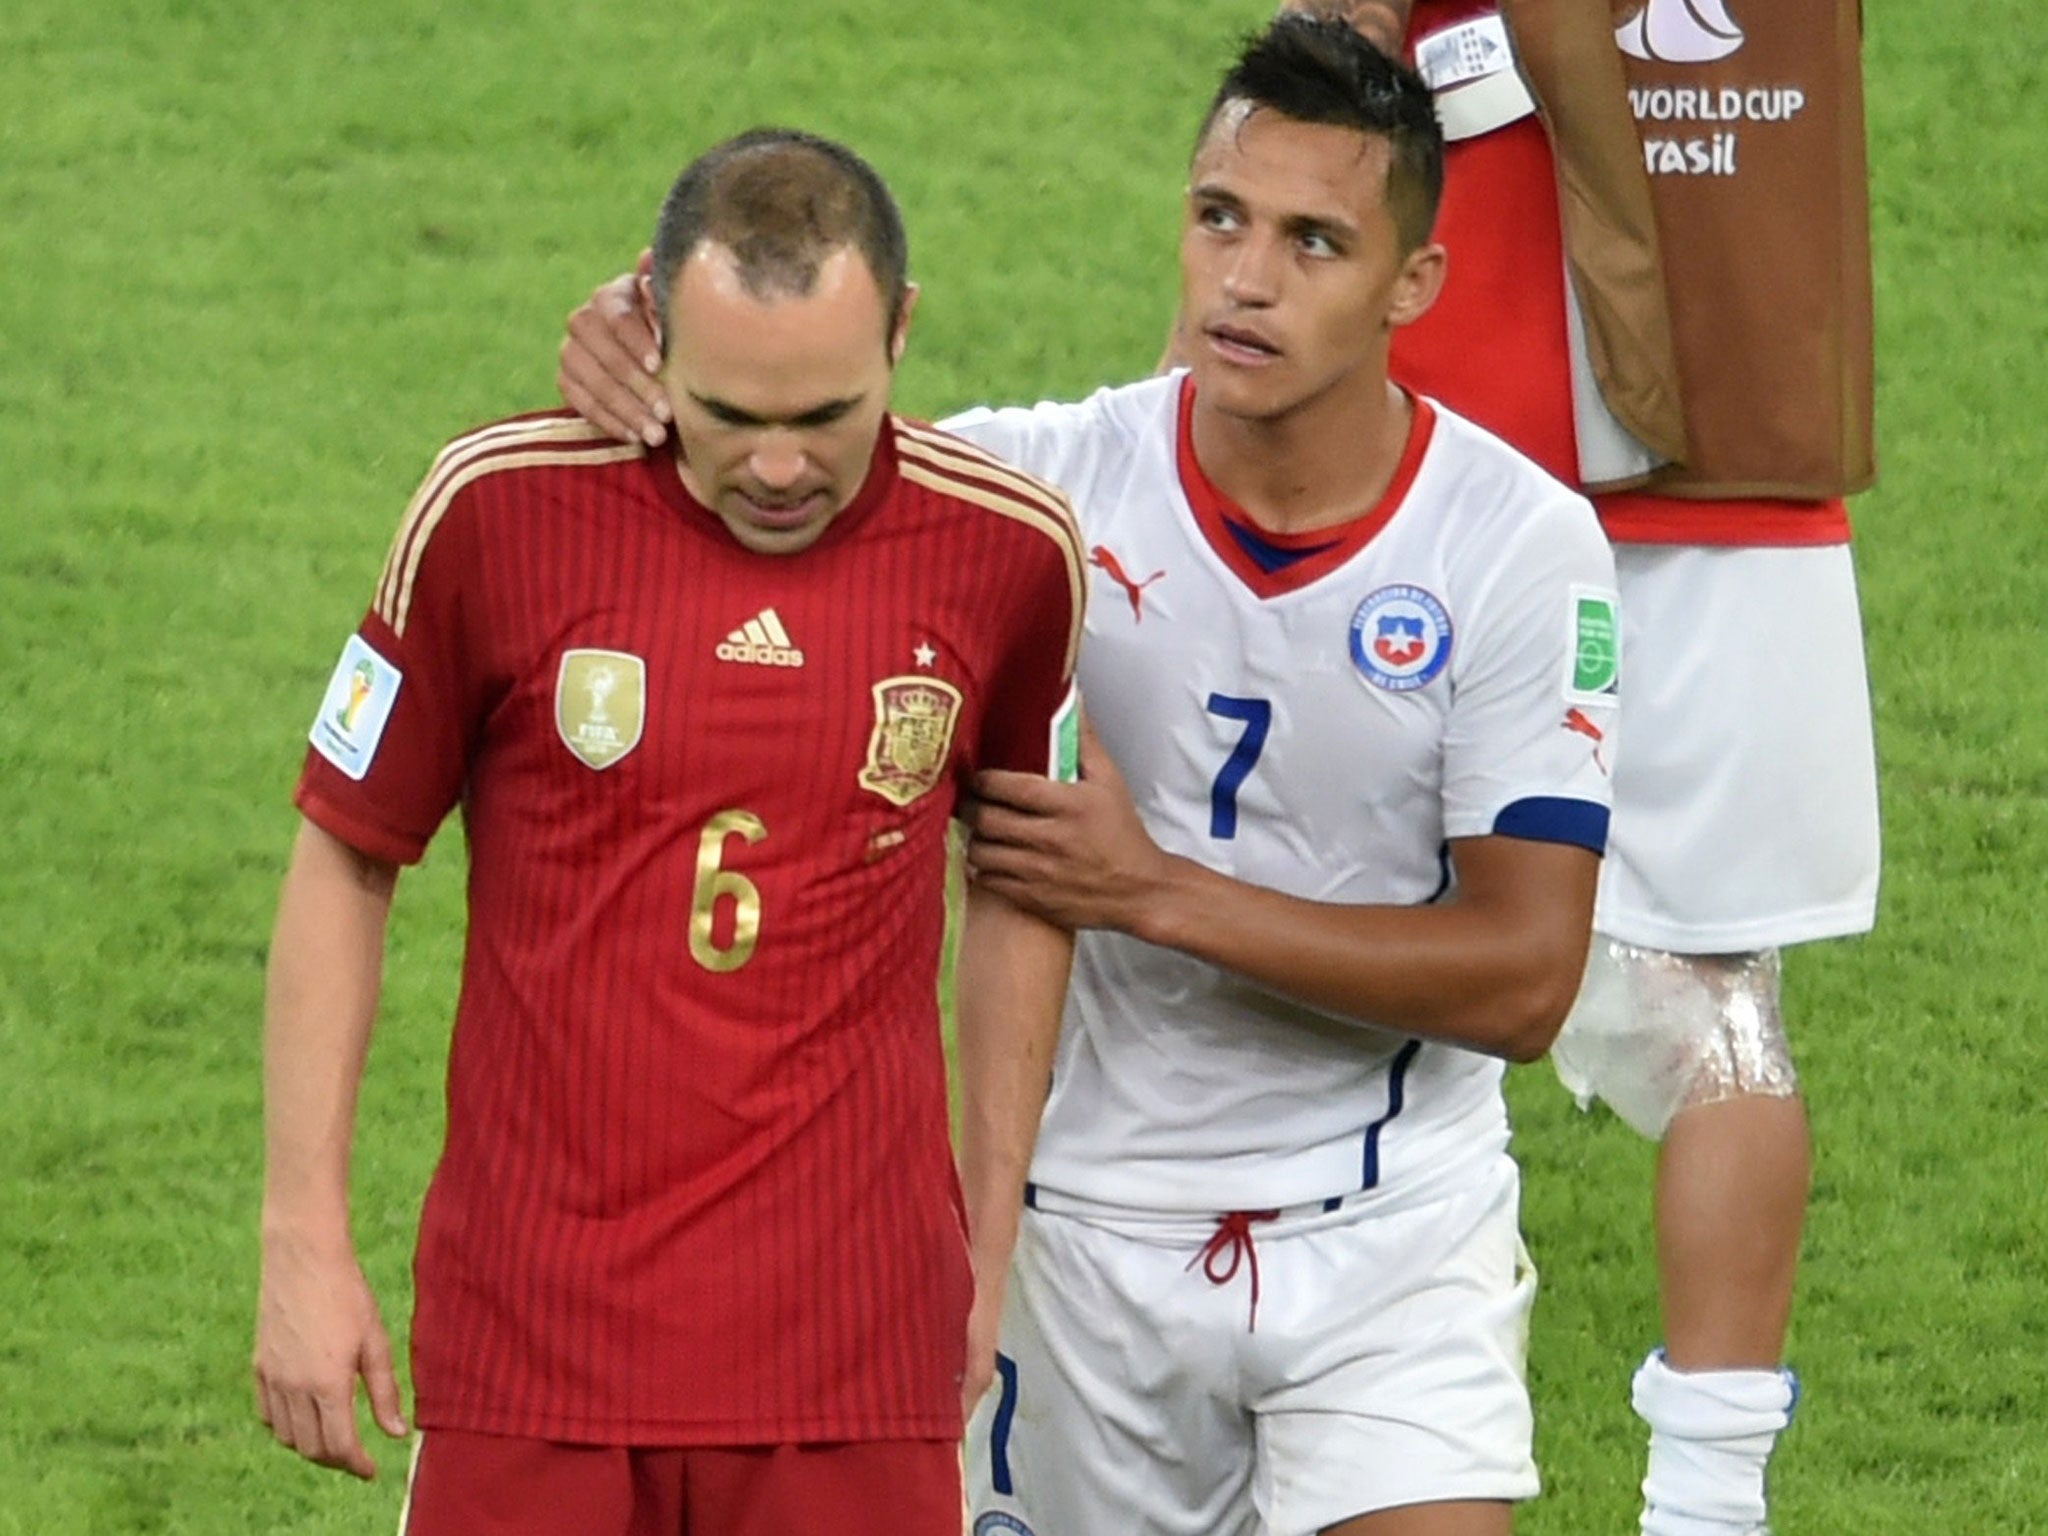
1653,1033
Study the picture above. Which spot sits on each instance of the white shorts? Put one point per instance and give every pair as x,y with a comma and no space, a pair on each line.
1745,789
1135,1395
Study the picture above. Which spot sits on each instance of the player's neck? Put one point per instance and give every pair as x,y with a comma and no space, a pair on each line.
1326,462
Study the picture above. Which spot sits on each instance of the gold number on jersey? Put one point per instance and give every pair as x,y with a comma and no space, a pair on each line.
713,881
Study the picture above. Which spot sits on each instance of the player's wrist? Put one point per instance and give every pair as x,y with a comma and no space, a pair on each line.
308,1230
990,1264
1165,908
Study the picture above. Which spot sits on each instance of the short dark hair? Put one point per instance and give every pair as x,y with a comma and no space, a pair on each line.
781,201
1316,69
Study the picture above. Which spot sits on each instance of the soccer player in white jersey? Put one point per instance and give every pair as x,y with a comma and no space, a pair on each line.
1356,660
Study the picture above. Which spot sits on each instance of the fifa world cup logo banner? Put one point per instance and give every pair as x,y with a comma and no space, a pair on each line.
1750,115
1714,202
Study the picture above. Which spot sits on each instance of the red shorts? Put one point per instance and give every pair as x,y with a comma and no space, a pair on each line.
495,1485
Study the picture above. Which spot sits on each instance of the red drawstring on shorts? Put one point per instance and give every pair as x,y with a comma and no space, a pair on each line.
1230,1245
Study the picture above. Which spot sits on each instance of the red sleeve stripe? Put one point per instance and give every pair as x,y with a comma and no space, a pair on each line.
1041,508
526,443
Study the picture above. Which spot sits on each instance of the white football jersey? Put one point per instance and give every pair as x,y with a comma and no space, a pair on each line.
1445,668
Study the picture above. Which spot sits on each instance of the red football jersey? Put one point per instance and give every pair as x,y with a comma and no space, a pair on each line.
697,1187
1494,347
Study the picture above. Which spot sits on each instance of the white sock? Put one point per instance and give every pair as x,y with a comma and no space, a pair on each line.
1711,1434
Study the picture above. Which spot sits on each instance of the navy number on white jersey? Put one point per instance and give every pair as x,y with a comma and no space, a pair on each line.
1257,715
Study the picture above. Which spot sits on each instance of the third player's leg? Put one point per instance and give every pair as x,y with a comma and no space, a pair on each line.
1745,818
1732,1180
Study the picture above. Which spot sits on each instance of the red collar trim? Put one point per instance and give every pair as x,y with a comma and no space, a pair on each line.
1214,511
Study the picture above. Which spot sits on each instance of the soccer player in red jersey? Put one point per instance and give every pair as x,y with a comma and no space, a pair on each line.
695,1257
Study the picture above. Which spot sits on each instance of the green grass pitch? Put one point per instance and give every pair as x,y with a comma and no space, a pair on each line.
258,261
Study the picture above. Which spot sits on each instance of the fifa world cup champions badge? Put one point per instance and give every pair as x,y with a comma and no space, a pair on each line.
600,705
914,721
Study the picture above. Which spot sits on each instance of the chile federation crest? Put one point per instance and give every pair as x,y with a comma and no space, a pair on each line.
1400,638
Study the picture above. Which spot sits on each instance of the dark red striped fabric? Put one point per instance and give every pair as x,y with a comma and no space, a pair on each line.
699,1193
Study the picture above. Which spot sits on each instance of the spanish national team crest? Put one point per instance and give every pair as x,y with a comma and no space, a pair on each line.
914,720
1400,638
601,704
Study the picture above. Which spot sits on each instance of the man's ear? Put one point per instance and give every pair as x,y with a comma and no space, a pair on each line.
901,338
1416,289
643,294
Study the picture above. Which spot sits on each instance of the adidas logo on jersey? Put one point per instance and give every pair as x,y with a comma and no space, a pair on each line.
761,642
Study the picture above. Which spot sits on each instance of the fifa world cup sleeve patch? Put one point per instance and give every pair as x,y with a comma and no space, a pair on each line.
357,708
1063,760
1593,658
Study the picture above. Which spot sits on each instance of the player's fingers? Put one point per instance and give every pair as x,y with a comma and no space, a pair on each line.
996,834
988,863
298,1423
596,372
380,1379
1028,792
263,1401
617,303
340,1444
635,429
997,882
609,343
613,330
